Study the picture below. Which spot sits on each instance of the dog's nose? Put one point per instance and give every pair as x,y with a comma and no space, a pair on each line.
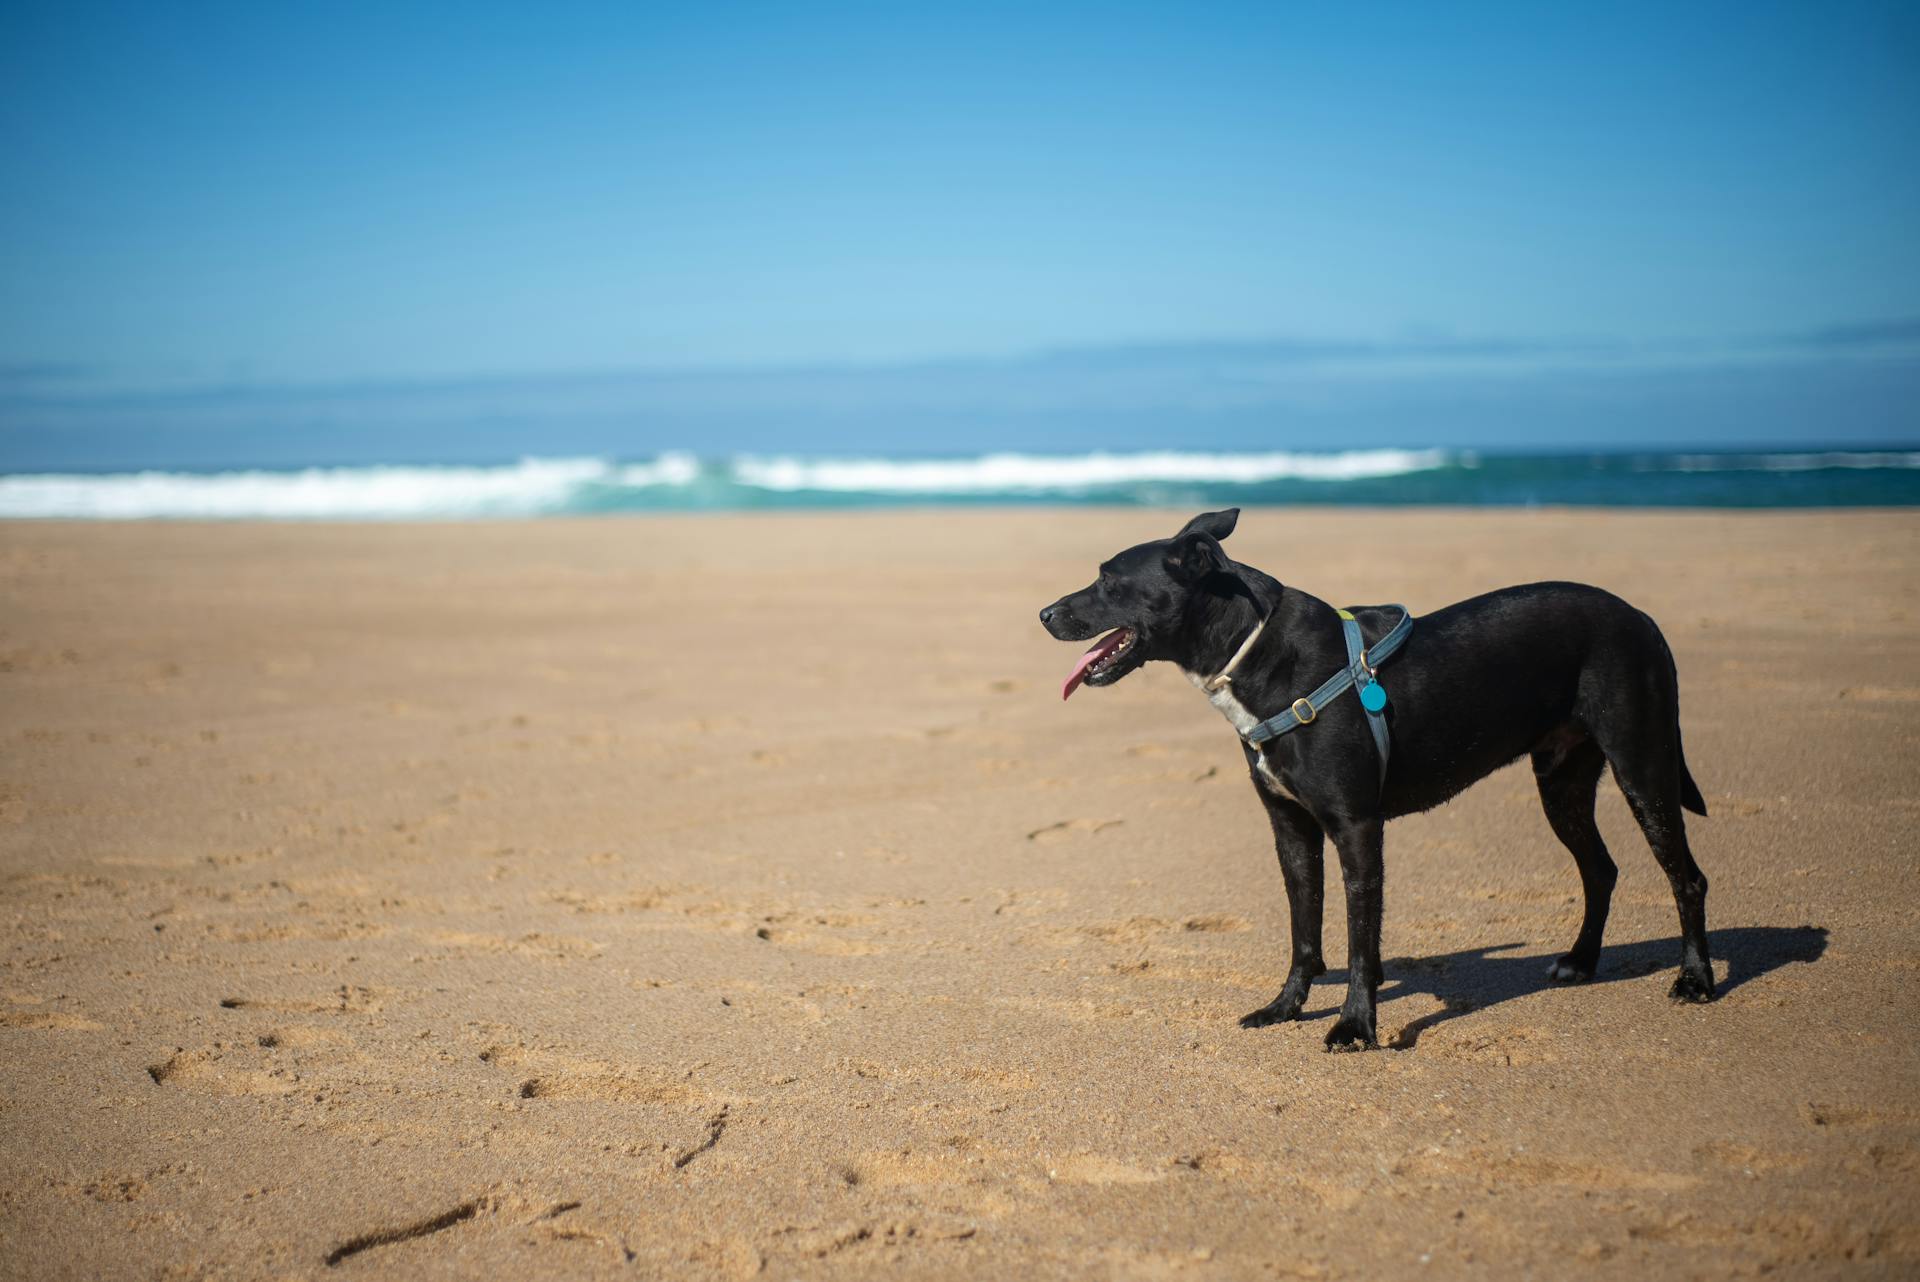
1046,615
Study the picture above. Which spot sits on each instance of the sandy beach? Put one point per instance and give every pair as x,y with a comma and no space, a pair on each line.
735,897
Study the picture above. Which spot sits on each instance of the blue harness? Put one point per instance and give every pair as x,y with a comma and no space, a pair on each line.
1361,673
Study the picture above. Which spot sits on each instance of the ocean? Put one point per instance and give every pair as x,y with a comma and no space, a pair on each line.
685,482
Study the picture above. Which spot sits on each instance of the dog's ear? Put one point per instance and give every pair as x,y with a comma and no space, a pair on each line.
1195,554
1217,524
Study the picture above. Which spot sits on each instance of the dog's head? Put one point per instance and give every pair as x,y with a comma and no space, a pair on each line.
1140,601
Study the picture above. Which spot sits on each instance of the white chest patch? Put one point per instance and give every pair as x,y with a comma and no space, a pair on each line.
1227,702
1236,713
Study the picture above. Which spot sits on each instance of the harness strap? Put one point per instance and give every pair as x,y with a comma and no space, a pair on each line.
1357,663
1362,663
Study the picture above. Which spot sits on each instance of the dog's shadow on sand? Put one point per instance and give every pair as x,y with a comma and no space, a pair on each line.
1476,978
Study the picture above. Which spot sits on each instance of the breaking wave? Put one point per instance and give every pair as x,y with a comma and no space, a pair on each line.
537,486
527,488
682,481
1015,473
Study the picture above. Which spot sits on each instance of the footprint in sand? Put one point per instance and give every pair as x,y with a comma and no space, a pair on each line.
264,933
1493,1169
1028,903
47,1020
1512,1047
277,1062
1135,930
224,1070
304,1037
1880,694
348,999
609,1084
1092,1168
549,1075
1214,923
1849,1115
891,1236
112,1186
1068,828
812,932
910,1168
635,901
541,947
820,945
560,1225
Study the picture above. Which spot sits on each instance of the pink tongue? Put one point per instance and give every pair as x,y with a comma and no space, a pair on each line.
1102,648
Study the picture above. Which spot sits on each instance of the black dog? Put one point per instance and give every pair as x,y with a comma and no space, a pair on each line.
1568,673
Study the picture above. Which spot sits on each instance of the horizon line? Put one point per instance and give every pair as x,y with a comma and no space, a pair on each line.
46,382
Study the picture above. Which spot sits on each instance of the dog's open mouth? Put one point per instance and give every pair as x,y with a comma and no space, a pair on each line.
1100,660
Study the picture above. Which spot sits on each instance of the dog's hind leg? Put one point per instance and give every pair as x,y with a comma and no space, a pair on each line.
1300,843
1656,805
1362,868
1638,727
1568,774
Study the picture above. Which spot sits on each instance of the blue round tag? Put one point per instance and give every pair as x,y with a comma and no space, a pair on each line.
1373,696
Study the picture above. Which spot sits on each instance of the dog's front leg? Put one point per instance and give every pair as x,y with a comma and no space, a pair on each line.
1358,842
1298,840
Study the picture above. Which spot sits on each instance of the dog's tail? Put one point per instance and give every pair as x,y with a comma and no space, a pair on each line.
1689,790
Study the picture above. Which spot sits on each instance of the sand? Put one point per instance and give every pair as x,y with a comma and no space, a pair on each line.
728,897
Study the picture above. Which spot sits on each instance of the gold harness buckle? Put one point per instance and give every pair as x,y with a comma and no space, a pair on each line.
1305,717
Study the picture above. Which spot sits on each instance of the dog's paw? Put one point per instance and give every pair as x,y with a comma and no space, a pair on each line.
1570,970
1351,1033
1278,1011
1691,987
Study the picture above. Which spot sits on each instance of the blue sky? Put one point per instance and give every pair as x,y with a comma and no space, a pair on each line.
834,214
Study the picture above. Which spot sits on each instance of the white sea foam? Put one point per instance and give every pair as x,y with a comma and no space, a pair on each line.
536,486
1026,473
529,487
544,486
673,468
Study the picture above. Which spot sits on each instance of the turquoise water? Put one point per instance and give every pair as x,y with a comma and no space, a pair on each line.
535,487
